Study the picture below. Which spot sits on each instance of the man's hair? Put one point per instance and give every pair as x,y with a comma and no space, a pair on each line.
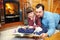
29,9
40,5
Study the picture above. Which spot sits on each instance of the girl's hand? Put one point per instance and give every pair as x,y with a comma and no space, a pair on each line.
30,26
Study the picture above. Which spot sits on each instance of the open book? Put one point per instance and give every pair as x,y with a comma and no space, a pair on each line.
16,33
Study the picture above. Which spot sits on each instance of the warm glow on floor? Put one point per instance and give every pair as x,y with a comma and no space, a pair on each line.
54,37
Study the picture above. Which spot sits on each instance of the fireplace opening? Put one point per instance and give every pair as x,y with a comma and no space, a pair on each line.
11,8
11,11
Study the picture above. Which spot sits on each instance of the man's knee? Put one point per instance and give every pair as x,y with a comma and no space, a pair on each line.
58,28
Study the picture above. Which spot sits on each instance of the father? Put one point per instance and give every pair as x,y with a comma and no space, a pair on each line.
49,20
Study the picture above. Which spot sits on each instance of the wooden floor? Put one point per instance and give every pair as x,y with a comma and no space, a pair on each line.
7,34
9,25
54,37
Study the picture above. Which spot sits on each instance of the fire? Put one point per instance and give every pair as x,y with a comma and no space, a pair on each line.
9,8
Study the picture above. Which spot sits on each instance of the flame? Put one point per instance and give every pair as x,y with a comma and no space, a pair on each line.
10,8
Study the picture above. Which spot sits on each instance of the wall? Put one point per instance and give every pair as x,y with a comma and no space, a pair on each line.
50,5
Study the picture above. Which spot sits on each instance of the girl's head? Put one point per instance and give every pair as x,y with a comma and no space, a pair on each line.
30,12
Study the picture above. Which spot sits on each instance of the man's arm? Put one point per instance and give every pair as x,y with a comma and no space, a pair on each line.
51,28
51,23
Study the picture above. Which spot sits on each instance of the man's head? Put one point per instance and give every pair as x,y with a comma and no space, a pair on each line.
30,12
39,10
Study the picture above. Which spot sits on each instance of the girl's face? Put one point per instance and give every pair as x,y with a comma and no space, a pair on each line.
31,14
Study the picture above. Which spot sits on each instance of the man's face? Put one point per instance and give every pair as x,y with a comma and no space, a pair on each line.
39,12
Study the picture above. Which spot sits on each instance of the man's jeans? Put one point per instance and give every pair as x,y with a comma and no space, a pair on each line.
58,27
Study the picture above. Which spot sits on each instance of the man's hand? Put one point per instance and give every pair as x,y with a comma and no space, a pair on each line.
44,35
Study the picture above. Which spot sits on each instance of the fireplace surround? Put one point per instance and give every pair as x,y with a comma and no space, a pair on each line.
12,11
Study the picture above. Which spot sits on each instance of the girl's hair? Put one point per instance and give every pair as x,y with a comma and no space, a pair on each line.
29,9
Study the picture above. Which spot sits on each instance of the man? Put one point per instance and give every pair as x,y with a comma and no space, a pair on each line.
49,20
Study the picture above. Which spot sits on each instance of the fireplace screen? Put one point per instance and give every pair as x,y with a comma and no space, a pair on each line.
11,11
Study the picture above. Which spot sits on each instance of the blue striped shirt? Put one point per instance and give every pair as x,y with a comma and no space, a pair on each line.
50,21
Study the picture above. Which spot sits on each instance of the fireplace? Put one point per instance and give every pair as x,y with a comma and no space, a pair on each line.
11,11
